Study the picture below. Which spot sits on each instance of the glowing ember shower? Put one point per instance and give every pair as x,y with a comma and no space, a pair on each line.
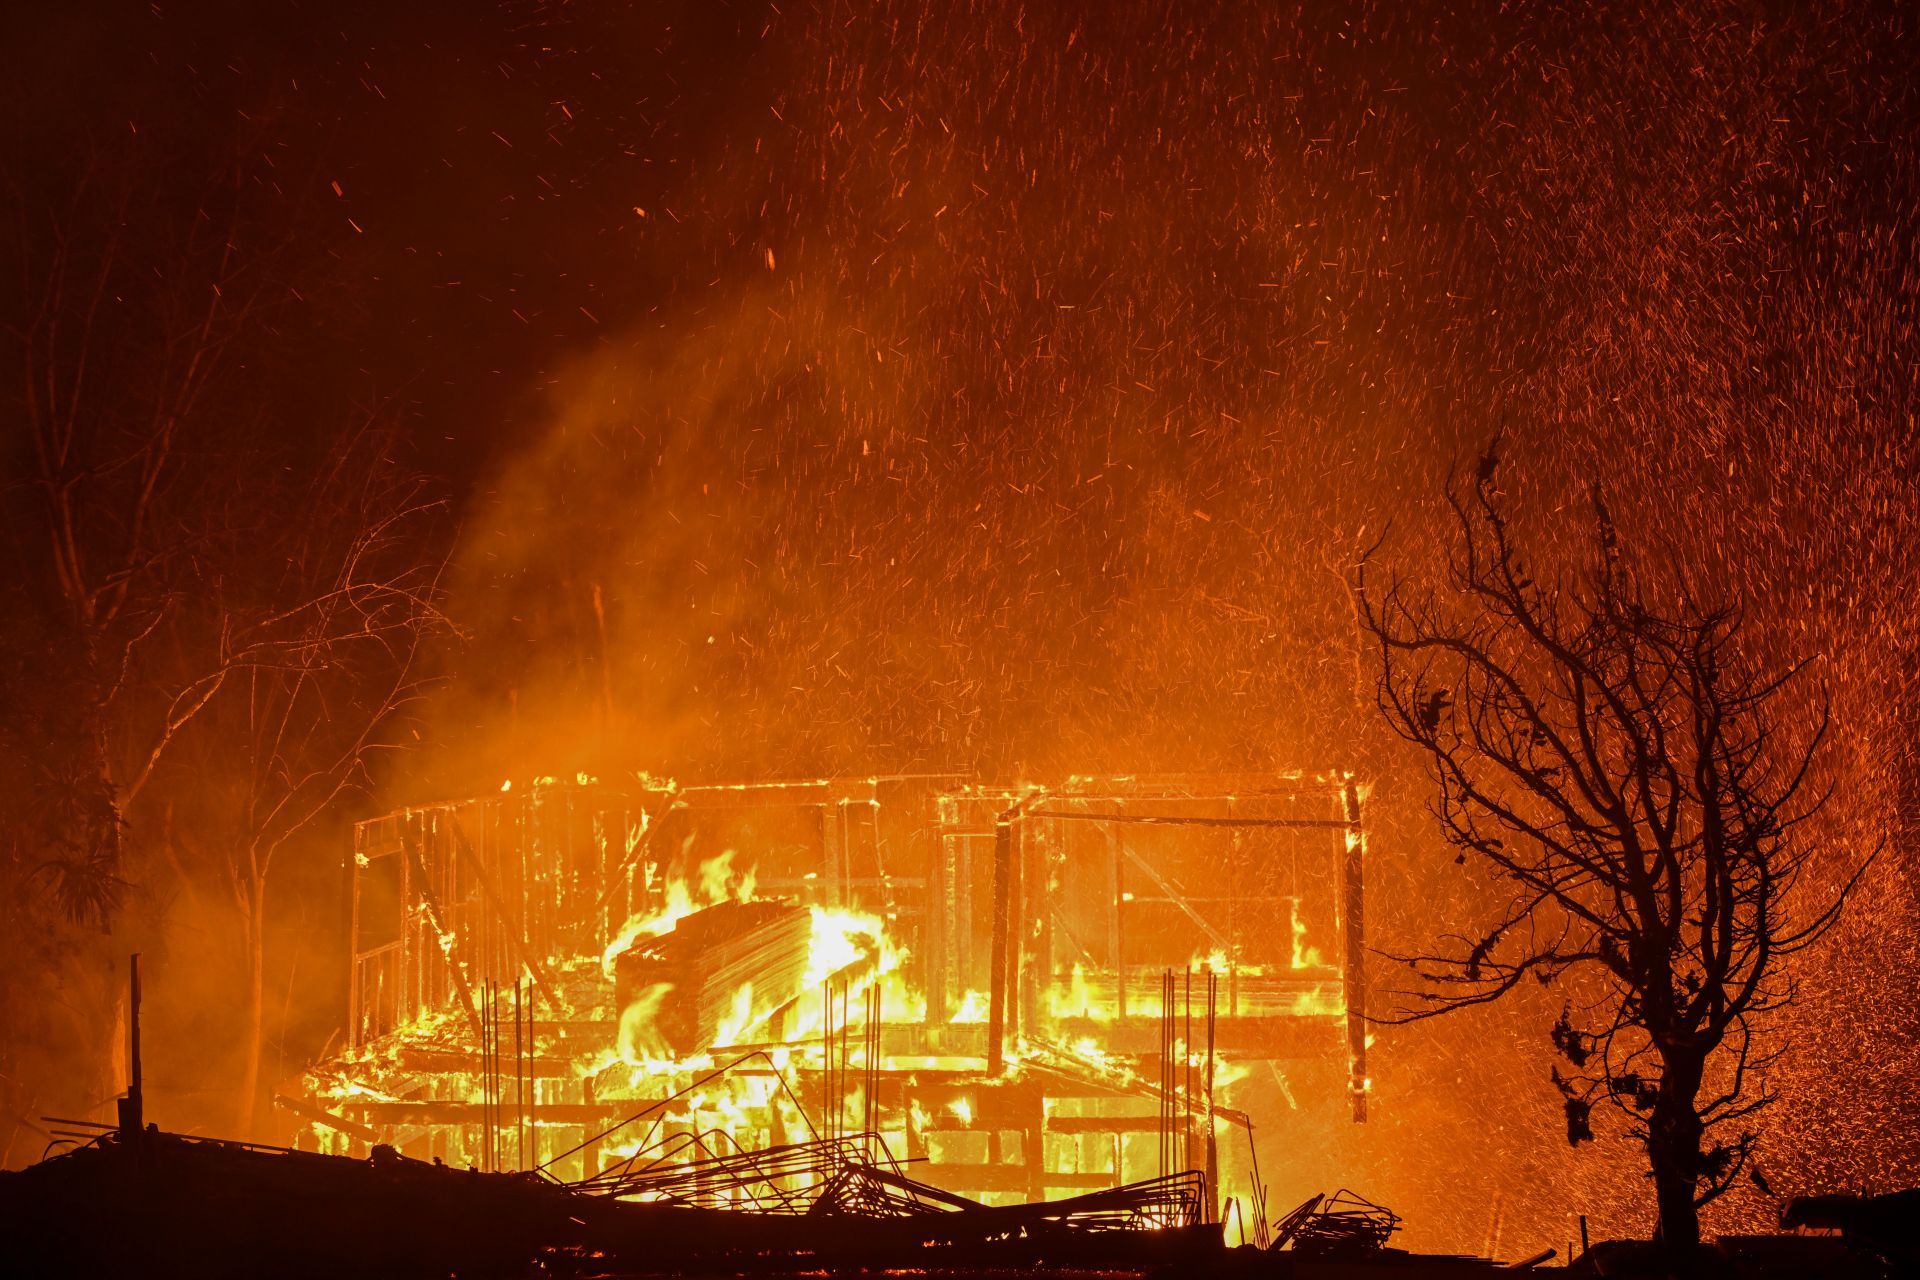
997,398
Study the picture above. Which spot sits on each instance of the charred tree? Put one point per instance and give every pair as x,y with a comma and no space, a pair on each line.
1639,789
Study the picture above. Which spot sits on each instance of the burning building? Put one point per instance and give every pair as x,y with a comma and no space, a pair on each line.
1028,991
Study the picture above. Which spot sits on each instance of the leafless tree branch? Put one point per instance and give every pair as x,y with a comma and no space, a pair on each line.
1627,771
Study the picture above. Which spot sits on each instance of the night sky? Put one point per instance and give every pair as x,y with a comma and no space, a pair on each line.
461,181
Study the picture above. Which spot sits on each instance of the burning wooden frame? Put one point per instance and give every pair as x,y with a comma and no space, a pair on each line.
987,977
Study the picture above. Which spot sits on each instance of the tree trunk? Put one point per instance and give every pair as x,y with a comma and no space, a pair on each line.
1673,1150
1679,1224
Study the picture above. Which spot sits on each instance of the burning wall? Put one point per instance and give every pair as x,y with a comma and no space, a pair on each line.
1028,989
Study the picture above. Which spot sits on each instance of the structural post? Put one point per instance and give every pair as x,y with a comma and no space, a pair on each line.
1017,916
590,1153
997,959
1036,906
354,1038
1353,973
1116,935
519,1082
1033,1111
960,911
938,957
533,1080
132,1107
832,834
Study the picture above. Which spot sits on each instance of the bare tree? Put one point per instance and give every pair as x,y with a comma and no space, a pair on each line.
337,602
153,275
129,311
1639,791
115,358
190,543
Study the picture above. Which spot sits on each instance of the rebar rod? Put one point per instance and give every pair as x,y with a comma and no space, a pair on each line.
1213,1149
1160,1113
1186,1072
1166,1071
486,1074
715,1074
533,1079
519,1078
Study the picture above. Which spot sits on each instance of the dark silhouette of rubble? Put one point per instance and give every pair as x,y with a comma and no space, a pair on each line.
148,1203
1887,1226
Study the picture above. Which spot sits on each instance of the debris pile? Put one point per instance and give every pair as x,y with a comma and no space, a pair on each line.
180,1205
1338,1226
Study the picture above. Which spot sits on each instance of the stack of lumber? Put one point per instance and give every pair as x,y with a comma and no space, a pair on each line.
706,960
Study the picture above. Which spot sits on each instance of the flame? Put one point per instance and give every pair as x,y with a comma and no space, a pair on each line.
640,1039
718,884
1075,1000
1304,956
973,1008
741,1019
850,954
843,938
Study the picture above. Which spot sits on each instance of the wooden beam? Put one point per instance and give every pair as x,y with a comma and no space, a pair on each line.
1354,909
463,1112
1103,1124
320,1116
997,964
1174,896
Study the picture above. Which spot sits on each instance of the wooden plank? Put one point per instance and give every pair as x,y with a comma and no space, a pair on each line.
317,1115
1103,1124
462,1112
1279,1037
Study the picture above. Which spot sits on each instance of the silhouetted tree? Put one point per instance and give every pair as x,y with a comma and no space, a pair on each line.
337,598
190,542
1640,791
131,307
